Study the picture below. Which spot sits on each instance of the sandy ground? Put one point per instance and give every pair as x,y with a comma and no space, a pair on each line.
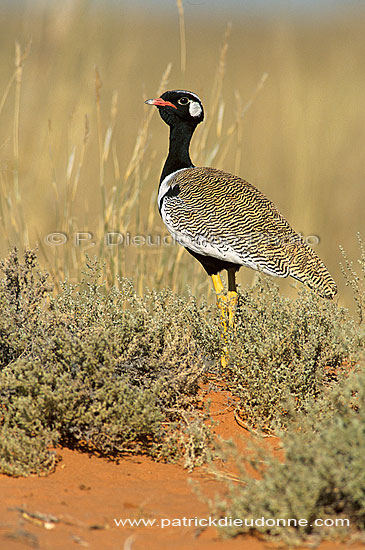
86,494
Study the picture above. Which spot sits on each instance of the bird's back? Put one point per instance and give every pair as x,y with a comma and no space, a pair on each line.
221,215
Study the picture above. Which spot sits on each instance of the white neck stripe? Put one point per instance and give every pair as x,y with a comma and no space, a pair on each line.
165,185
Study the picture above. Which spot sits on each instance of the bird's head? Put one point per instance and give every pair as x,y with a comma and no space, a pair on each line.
179,105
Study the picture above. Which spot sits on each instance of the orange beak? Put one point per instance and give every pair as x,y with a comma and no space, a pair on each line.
159,102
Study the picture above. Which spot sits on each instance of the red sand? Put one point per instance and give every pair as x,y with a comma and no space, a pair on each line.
86,493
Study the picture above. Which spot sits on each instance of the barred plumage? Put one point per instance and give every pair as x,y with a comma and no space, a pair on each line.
222,220
215,213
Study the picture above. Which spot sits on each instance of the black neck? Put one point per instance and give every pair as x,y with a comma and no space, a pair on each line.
178,157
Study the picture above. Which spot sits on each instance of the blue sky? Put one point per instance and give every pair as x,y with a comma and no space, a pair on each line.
219,5
215,8
249,5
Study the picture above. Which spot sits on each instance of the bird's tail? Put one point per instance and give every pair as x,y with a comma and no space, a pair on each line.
310,270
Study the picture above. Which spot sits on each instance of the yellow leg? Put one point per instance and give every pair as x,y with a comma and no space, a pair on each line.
227,306
232,304
224,318
232,296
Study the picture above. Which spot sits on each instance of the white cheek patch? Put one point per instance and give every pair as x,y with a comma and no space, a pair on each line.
194,108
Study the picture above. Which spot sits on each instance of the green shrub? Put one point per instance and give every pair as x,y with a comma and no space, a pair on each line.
110,372
285,349
319,476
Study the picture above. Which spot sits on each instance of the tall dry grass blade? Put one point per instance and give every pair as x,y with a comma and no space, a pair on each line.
220,117
109,132
19,60
115,163
152,211
237,158
5,206
110,200
234,128
20,57
98,86
261,83
54,175
7,90
176,266
82,159
180,8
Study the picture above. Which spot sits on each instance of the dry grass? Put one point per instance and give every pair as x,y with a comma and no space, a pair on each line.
79,151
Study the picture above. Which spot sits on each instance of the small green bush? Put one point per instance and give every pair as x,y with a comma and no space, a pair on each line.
285,349
110,372
320,475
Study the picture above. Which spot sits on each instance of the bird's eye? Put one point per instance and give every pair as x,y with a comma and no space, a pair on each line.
183,100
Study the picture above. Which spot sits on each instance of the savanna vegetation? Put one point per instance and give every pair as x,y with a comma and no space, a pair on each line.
80,152
103,347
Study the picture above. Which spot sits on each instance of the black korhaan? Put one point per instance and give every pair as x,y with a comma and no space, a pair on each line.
222,220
